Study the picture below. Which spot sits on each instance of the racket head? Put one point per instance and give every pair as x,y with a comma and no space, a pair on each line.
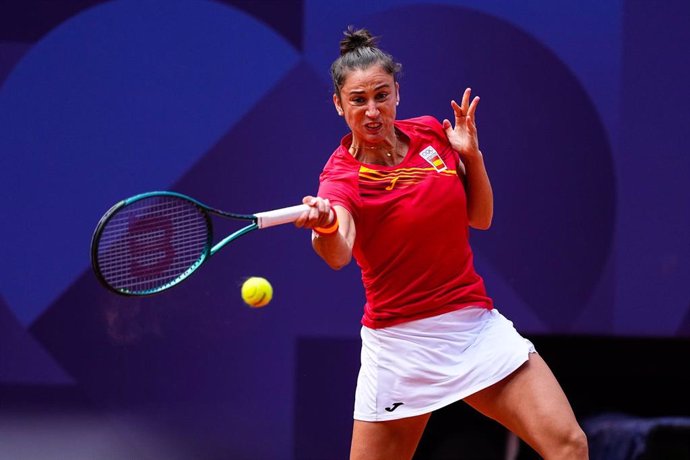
150,242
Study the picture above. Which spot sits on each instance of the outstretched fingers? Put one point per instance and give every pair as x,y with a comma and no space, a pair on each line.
466,100
466,109
457,110
473,107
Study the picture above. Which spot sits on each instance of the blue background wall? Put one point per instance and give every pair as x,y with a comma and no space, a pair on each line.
582,123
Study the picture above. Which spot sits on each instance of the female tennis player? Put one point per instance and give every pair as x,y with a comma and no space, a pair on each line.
405,193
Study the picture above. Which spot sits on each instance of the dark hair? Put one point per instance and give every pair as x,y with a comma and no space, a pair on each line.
359,50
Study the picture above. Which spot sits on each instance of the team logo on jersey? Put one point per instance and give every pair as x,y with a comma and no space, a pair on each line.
433,158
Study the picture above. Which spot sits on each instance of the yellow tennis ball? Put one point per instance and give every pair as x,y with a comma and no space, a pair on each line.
257,291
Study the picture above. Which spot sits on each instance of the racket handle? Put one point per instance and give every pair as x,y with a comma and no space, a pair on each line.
282,215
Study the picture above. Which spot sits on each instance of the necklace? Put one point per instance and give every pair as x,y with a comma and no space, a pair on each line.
388,153
356,150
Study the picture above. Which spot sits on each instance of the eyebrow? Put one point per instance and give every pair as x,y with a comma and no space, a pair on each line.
361,91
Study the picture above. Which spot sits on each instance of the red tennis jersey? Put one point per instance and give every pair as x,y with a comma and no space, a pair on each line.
412,241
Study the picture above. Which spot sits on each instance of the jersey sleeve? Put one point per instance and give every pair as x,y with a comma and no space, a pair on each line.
436,129
339,186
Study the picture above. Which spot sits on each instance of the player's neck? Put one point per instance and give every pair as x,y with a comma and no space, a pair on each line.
387,153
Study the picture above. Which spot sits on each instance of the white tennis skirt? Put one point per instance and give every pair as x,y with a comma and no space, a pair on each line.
423,365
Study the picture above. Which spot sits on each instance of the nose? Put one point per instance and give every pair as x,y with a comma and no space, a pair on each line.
372,110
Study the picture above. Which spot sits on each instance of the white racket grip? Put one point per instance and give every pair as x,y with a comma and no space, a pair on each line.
280,216
284,215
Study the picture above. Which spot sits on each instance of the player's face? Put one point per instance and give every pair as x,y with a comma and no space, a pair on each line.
368,101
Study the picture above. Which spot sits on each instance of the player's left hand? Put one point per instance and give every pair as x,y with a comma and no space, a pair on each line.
463,136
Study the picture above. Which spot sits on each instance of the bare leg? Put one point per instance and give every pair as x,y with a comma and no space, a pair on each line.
392,440
531,404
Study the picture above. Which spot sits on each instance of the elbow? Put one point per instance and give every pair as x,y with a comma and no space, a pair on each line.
337,264
481,224
334,259
480,217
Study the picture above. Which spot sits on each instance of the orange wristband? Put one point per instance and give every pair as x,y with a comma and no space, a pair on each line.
330,229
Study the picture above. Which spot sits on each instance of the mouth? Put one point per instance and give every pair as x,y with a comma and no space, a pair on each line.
373,127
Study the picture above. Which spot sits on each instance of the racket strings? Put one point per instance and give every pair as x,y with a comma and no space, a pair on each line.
152,242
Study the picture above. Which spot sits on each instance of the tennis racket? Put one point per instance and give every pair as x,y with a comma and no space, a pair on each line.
153,241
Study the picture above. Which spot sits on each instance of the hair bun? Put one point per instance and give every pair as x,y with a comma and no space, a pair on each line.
354,39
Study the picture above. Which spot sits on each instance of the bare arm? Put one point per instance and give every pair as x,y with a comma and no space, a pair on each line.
335,249
464,140
480,198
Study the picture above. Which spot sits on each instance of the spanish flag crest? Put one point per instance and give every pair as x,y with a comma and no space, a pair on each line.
433,158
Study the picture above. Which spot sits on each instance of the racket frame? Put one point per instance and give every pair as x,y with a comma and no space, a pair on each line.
208,250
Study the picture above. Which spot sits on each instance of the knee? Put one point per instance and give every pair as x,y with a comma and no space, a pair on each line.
570,443
575,444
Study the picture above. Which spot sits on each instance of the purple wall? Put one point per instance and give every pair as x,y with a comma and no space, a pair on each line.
581,123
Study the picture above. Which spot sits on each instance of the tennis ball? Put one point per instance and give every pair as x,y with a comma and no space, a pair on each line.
257,291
